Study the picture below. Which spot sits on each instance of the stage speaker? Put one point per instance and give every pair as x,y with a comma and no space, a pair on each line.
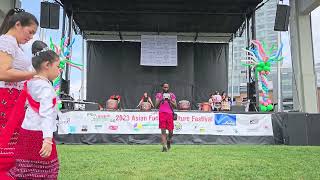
68,105
49,15
251,88
92,107
313,122
296,129
54,16
65,86
278,128
44,15
282,18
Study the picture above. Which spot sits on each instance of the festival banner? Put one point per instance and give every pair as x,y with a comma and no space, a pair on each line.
119,122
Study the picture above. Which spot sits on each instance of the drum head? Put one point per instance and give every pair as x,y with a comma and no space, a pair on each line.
145,106
184,105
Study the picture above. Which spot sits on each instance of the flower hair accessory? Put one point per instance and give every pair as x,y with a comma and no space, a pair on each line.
43,50
18,10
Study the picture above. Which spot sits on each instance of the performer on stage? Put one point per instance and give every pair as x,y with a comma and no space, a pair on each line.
18,27
224,96
36,154
117,98
166,101
217,101
225,102
145,98
211,100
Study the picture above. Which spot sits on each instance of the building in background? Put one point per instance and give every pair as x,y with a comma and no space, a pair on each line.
315,15
287,88
238,75
5,5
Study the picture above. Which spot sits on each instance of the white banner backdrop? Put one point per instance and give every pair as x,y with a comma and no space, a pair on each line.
158,50
117,122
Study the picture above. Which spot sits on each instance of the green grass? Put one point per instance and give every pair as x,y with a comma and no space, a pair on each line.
188,162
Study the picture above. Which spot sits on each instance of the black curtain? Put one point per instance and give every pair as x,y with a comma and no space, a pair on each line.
114,68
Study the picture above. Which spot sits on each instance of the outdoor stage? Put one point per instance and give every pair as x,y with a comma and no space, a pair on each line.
203,29
192,127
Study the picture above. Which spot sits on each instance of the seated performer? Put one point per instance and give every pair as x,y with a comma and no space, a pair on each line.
224,96
145,98
211,100
117,98
225,103
215,101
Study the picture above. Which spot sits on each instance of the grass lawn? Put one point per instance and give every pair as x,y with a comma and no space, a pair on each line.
188,162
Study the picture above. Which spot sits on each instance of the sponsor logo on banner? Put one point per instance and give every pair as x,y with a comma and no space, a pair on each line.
220,130
84,128
72,129
137,126
149,125
91,115
177,126
254,121
254,125
113,127
63,121
225,119
98,127
140,126
202,130
100,117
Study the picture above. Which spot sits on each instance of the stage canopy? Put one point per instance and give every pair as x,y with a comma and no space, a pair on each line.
191,20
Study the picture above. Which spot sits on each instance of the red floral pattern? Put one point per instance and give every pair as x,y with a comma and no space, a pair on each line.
29,164
8,98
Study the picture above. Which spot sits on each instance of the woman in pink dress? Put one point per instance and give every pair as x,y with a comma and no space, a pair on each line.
17,28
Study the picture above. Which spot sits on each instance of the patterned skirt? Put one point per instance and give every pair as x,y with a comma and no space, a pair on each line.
8,98
28,162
